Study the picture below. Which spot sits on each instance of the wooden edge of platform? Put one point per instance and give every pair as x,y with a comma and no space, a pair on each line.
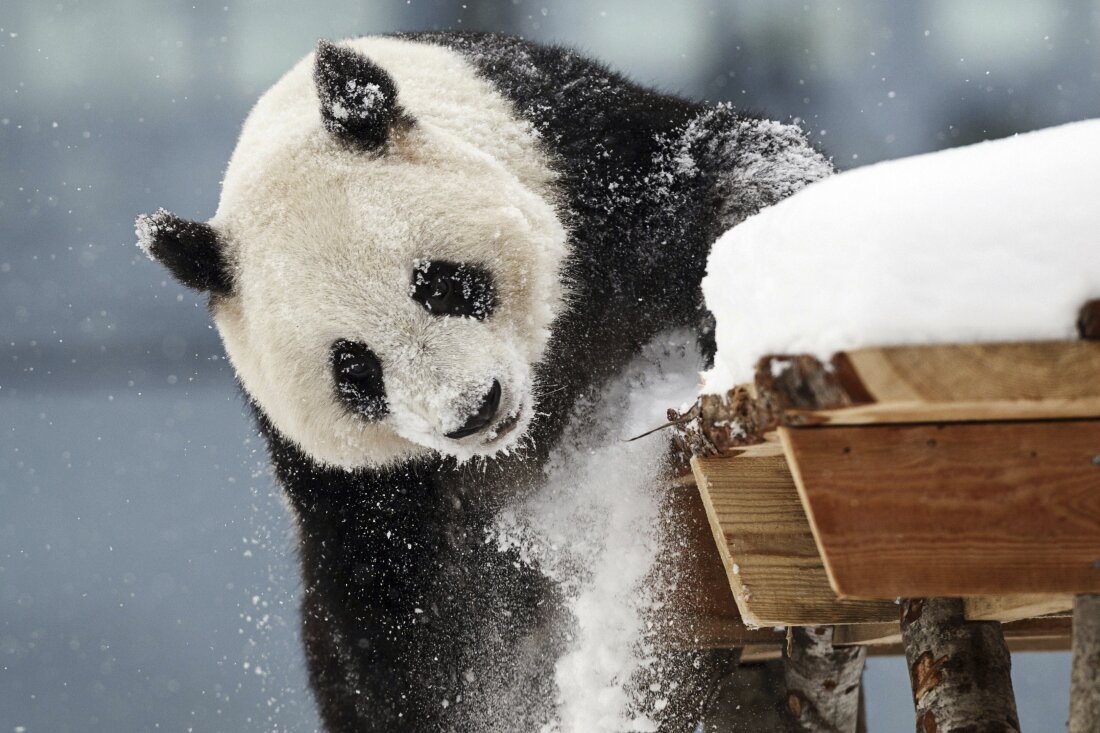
732,577
796,474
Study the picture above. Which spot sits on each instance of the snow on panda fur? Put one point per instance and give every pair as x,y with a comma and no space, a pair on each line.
428,248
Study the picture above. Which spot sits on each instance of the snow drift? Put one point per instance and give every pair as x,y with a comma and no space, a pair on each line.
998,241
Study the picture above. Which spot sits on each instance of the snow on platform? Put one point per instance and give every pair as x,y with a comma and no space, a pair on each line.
998,241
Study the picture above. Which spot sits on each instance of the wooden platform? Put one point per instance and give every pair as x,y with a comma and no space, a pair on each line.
940,471
953,509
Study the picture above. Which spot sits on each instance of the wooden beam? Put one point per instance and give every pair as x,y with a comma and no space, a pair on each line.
884,639
880,634
762,653
1014,608
700,610
959,670
1015,646
938,383
1016,633
953,509
723,484
767,549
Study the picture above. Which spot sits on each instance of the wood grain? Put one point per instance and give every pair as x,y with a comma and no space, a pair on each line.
700,610
884,639
768,551
1014,608
1039,644
959,509
932,383
1047,629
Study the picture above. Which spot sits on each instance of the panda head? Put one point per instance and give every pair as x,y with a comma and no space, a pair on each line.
384,265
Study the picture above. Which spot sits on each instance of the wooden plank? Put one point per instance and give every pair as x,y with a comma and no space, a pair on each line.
767,548
951,510
1014,608
761,653
1054,632
1041,644
701,611
884,639
945,382
880,634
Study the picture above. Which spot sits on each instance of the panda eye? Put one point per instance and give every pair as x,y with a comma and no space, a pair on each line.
450,289
358,375
359,370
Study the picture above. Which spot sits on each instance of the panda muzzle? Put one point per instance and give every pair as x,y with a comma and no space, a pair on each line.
483,418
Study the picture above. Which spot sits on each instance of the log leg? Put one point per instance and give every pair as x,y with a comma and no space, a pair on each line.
959,669
1084,699
823,682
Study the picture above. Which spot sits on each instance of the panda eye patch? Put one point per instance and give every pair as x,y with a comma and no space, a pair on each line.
358,376
450,289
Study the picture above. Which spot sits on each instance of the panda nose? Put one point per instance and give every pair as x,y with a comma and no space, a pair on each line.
484,415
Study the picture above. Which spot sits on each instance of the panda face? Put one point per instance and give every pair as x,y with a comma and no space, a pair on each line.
390,300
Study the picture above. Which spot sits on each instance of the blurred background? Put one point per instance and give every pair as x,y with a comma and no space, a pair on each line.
147,576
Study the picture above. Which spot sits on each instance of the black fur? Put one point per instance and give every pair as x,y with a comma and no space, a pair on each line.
360,384
645,182
358,98
189,249
449,289
411,620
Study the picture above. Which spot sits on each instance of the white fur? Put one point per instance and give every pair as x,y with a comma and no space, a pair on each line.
323,239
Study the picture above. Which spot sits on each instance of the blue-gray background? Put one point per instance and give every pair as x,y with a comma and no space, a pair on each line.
146,565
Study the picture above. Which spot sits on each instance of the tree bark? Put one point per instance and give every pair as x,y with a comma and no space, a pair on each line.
823,682
1088,320
960,670
1084,699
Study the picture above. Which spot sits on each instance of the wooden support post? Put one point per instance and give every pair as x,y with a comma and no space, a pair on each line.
1084,700
823,682
959,669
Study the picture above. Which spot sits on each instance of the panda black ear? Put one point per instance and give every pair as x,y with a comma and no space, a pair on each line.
358,98
191,250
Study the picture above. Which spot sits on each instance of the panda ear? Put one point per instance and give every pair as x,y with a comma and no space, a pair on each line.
191,250
358,98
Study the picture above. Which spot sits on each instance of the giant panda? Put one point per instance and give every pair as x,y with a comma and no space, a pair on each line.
428,248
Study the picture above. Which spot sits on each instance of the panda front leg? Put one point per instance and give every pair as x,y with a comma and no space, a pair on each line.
411,621
479,660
